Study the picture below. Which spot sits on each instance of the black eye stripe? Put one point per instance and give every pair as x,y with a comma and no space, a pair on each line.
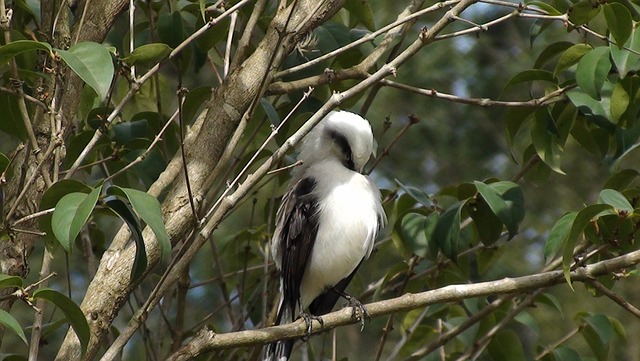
344,146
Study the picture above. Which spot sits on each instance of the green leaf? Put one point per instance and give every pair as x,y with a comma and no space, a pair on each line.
499,205
148,208
19,46
581,221
558,234
93,64
12,122
487,224
583,11
417,194
361,9
83,212
544,6
619,101
506,346
616,200
532,75
446,233
551,301
9,322
148,54
571,57
551,51
413,227
546,141
598,333
625,60
122,209
52,196
622,179
271,112
10,281
588,105
63,216
71,312
564,353
619,22
592,71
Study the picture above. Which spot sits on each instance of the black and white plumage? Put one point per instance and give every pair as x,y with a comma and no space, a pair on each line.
327,222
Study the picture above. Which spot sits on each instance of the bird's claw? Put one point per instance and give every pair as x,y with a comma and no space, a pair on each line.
308,320
359,311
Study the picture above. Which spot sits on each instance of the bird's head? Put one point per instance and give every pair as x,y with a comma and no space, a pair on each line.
342,135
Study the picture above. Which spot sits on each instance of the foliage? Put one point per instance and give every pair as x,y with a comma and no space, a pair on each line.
535,178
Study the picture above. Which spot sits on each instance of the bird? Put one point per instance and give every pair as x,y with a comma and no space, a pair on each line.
326,224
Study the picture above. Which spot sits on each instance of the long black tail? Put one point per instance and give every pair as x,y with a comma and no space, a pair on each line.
280,350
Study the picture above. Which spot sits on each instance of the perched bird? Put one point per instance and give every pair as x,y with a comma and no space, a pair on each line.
327,222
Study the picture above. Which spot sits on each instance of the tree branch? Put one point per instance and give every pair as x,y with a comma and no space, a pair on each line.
207,340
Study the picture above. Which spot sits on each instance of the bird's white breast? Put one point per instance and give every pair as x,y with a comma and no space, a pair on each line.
348,224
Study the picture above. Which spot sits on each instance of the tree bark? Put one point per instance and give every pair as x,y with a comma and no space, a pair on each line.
111,286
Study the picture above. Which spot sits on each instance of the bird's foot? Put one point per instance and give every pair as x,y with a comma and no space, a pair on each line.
359,311
308,320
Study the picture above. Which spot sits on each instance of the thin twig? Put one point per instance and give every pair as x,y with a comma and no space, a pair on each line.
135,86
615,298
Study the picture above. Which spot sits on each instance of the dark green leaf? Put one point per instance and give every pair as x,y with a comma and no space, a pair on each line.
19,46
622,179
416,193
564,353
93,64
361,9
616,200
12,122
544,6
71,311
571,57
148,208
588,105
10,281
271,112
583,218
171,29
446,233
506,346
625,60
550,52
558,235
598,333
510,209
51,197
592,71
487,224
532,75
413,227
546,141
85,208
124,211
583,11
193,102
9,322
551,301
619,22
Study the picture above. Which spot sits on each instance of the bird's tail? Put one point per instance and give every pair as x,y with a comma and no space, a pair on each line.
280,350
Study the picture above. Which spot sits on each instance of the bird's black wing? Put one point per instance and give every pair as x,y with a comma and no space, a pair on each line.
299,227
